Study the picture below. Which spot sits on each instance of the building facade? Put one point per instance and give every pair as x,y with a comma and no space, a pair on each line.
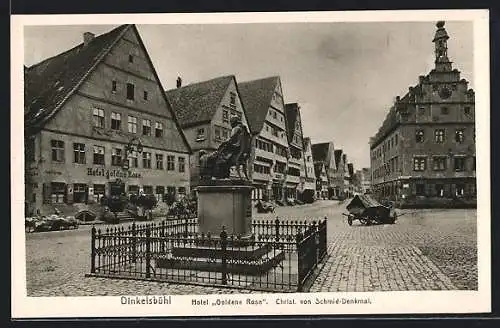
323,153
338,182
310,179
365,180
424,152
321,180
265,109
296,177
82,108
204,110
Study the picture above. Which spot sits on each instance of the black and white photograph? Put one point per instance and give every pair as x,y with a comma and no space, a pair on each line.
252,164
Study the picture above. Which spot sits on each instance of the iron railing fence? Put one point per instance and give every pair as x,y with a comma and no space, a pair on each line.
278,256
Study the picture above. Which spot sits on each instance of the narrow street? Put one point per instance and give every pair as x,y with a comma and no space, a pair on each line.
425,249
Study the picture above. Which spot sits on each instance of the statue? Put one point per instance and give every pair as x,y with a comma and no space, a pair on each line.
233,152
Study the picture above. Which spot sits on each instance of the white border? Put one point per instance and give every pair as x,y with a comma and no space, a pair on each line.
382,302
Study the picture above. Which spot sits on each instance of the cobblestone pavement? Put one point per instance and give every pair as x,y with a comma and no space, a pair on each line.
425,250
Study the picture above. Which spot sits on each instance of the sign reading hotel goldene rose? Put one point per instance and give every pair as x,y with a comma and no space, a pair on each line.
100,172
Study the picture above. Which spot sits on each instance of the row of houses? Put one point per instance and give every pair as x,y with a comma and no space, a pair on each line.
99,122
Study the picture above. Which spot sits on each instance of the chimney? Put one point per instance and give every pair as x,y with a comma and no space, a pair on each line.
179,82
87,38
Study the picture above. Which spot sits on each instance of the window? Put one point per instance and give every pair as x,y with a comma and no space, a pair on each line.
275,115
419,136
113,86
146,160
99,192
130,91
439,190
160,193
99,155
79,193
200,134
170,163
459,189
420,189
116,121
98,115
158,130
79,153
57,150
146,127
459,136
132,159
439,163
116,157
130,58
467,110
182,191
159,161
148,190
225,134
132,124
232,101
58,192
419,163
459,164
217,133
225,116
182,164
145,95
444,110
133,189
421,111
439,136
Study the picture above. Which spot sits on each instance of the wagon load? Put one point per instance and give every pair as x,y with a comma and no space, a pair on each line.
367,210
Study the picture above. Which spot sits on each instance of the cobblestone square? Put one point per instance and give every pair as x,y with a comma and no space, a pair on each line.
424,250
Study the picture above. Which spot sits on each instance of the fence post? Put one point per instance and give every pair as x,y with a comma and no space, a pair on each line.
223,242
298,241
148,251
316,241
134,242
92,250
277,224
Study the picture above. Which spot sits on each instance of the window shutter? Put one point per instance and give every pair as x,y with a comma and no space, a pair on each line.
47,193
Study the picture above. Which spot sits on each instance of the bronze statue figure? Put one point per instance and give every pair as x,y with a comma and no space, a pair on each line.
233,152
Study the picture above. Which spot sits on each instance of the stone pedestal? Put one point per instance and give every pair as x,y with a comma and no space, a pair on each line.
225,203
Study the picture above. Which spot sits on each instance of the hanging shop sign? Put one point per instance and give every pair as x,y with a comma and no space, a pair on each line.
109,174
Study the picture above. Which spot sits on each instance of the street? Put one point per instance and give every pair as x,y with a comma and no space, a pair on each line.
424,250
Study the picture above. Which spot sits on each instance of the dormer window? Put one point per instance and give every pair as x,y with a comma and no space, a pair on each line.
232,100
130,58
200,134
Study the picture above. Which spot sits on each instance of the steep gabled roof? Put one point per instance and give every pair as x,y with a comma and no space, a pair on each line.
338,156
320,152
256,96
291,115
49,83
197,103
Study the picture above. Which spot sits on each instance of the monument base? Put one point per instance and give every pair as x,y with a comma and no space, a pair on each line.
225,203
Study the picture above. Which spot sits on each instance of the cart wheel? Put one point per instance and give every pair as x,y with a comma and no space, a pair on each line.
349,221
363,221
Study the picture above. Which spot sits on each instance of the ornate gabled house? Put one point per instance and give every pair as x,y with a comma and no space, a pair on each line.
321,180
310,179
204,110
81,110
424,153
324,153
296,165
338,183
265,108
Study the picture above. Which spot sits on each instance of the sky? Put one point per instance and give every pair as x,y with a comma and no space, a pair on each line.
345,76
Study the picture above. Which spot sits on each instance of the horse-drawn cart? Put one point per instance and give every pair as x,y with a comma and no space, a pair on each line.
368,211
